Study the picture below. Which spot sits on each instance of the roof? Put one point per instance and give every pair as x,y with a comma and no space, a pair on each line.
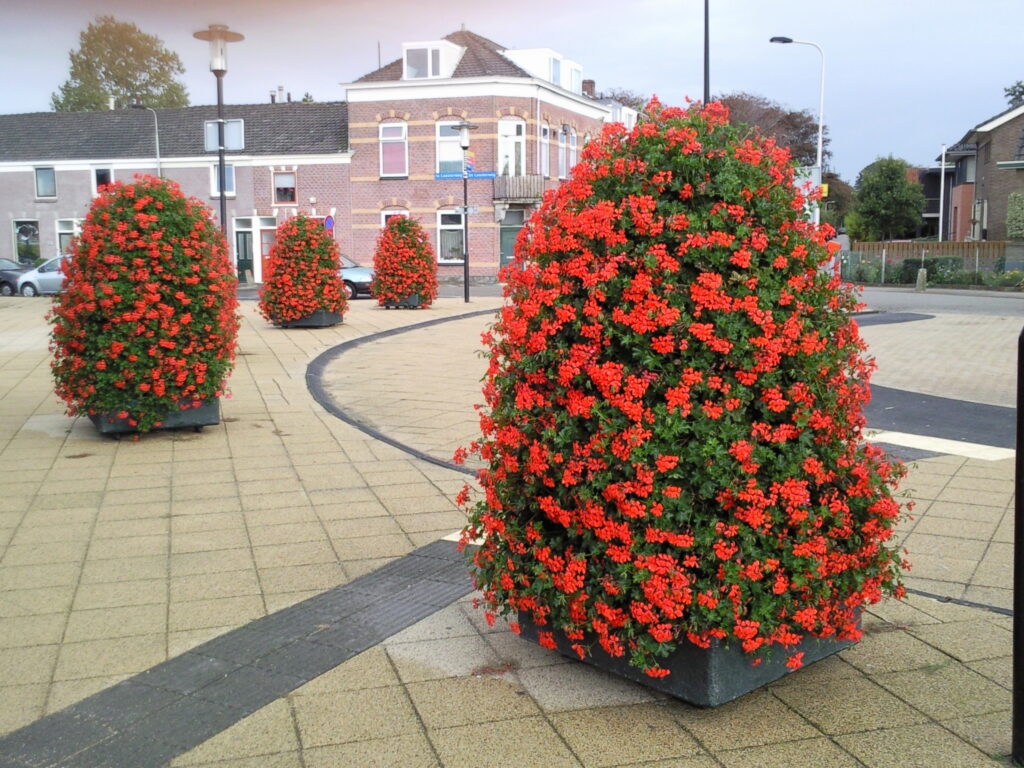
1011,113
270,129
481,58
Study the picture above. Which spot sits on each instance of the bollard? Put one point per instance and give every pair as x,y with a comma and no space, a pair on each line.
922,280
1018,570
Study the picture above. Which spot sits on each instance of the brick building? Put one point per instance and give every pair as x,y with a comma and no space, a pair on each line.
390,149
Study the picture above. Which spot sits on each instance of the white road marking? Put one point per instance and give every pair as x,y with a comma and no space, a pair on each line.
941,445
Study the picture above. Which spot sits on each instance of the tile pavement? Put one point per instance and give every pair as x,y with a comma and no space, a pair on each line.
116,556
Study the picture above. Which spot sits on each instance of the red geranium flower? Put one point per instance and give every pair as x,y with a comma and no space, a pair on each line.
404,264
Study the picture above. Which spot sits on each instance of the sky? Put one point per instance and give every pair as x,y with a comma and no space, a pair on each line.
902,77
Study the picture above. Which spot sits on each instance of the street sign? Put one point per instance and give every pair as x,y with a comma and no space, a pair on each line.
329,223
445,175
468,209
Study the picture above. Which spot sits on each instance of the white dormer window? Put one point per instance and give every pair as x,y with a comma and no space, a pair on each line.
425,60
556,71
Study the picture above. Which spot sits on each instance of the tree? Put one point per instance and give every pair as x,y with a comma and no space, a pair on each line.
889,203
1015,93
796,129
839,202
117,59
1015,216
307,98
630,98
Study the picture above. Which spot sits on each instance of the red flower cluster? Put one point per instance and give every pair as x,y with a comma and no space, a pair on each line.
404,264
302,273
672,438
147,321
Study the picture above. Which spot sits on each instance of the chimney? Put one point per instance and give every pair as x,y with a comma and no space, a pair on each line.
289,97
280,94
588,88
273,97
110,102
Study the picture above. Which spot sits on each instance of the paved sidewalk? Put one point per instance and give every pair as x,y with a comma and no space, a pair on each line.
115,556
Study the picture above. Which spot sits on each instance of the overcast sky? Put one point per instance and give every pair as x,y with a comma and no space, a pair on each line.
903,76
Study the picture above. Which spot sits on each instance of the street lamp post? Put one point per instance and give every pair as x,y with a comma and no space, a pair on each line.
218,35
156,134
821,112
464,128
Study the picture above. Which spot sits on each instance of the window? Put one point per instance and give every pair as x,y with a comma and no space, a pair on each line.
66,230
101,177
394,150
234,135
576,81
449,152
572,148
545,150
450,249
284,188
46,182
26,240
422,62
556,71
511,147
391,213
229,180
561,153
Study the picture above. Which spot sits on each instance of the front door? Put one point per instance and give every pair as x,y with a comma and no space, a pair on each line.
514,220
243,254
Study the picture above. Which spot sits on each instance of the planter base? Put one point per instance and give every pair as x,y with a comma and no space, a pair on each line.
207,414
319,319
409,302
702,677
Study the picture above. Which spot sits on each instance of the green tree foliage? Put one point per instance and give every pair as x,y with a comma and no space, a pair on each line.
839,202
1015,93
889,203
307,98
796,129
117,59
1015,216
624,96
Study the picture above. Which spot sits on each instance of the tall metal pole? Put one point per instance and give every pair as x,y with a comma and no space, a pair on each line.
707,56
465,226
221,182
942,189
1017,744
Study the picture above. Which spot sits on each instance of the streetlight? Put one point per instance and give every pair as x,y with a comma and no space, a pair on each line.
821,111
219,36
464,129
156,134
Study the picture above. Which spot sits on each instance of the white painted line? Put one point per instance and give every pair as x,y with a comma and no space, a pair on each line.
458,535
941,445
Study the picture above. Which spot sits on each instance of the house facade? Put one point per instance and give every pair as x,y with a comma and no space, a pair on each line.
391,148
989,165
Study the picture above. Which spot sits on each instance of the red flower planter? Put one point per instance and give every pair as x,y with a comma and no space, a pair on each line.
404,266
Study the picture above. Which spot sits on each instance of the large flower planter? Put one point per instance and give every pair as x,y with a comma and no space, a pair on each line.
206,415
704,677
321,318
409,302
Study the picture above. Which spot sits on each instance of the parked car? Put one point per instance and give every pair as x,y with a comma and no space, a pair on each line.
48,277
10,271
357,278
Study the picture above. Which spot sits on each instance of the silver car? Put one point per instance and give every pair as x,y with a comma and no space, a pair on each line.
48,277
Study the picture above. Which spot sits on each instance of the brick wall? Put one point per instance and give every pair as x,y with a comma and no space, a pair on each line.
995,184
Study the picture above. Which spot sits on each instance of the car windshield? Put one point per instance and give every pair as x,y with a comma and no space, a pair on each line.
8,264
347,263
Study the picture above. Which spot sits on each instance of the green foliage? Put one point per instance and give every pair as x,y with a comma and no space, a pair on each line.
631,99
1015,93
856,227
1015,216
117,59
839,202
795,129
888,203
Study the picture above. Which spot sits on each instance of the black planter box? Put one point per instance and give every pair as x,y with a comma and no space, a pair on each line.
321,318
705,677
409,302
206,415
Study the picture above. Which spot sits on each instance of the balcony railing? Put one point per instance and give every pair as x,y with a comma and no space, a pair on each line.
523,188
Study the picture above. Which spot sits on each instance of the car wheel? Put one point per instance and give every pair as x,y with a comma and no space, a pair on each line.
350,290
29,290
6,289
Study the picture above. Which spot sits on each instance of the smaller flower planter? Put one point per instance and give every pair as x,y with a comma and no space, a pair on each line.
704,677
321,318
411,301
206,415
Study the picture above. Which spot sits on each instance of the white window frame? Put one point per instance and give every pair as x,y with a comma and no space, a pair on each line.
53,173
274,187
71,227
460,228
433,62
388,213
562,154
452,141
14,238
95,184
573,149
230,183
507,144
545,150
403,140
556,71
234,135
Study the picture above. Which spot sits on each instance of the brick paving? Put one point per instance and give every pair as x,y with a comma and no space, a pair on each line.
116,556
